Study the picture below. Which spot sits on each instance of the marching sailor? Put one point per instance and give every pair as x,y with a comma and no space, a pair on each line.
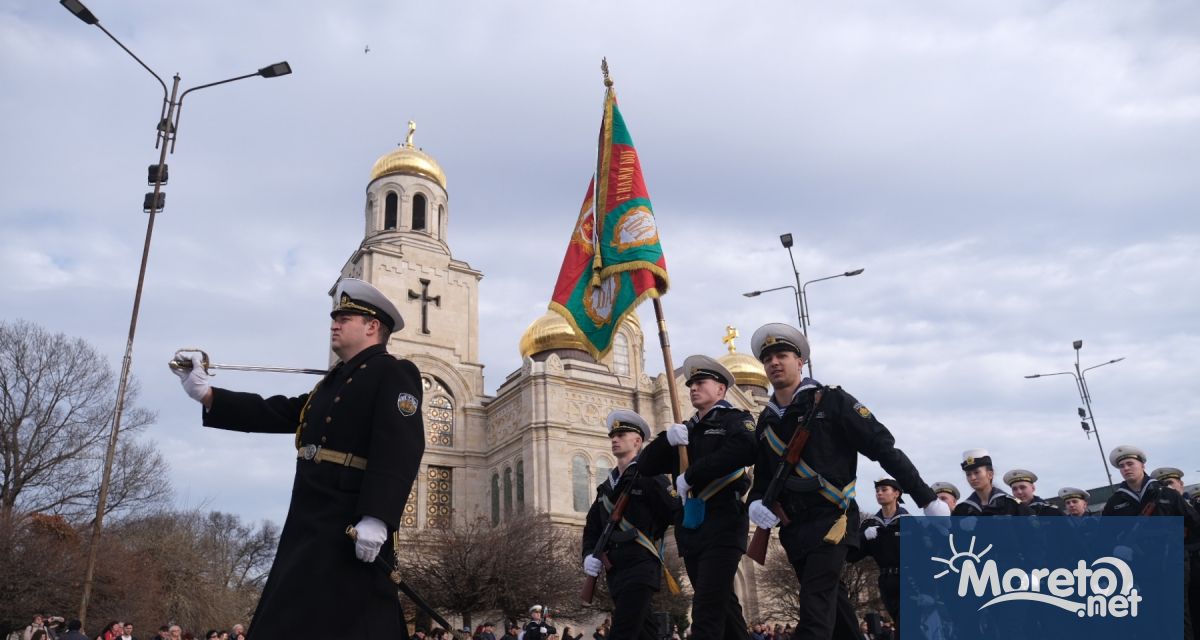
1075,501
881,540
986,498
1022,484
946,492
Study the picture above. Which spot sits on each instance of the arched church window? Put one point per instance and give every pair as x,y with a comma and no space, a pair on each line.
620,354
508,492
441,219
520,485
418,212
495,498
581,485
603,468
438,412
439,497
408,519
391,204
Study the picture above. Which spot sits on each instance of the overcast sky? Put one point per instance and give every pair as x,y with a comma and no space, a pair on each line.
1012,176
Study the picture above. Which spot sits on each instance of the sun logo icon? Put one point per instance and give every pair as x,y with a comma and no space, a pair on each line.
958,558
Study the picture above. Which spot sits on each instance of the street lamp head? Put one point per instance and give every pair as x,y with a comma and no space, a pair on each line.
785,239
1082,413
273,71
1078,344
1036,375
79,11
1116,360
853,273
752,294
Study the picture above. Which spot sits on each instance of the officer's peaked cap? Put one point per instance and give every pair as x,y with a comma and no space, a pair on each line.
1019,475
945,487
1066,493
536,607
1164,473
1126,451
973,458
777,336
356,296
625,420
697,368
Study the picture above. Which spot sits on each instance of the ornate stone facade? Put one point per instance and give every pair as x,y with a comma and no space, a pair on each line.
539,442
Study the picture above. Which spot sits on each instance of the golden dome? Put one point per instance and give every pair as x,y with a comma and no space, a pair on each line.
745,369
550,331
408,159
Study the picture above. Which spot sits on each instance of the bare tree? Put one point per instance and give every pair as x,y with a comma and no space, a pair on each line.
479,567
56,401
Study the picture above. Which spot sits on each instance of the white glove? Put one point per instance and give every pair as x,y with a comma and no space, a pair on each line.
682,487
592,565
195,382
870,533
371,534
937,508
761,516
677,434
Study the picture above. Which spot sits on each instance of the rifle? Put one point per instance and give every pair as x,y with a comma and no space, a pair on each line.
757,551
614,521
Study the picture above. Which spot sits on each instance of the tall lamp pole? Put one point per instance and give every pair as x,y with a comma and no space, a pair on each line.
1080,376
168,127
800,290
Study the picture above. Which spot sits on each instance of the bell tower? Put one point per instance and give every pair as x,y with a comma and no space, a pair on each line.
405,253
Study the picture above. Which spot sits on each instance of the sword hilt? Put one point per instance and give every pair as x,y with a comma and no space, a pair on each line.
183,359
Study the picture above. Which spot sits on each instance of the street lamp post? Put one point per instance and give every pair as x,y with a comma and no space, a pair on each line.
800,290
168,127
1080,376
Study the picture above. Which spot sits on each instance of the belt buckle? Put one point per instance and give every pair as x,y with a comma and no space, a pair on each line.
309,451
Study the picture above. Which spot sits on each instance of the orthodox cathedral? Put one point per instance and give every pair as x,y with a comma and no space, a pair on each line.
540,442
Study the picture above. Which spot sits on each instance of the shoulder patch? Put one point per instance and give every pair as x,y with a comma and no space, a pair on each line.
861,410
407,404
749,424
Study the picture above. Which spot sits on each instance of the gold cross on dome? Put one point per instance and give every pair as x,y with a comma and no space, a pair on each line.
731,333
412,128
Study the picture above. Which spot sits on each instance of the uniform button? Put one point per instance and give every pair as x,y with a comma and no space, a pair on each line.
362,366
322,439
349,380
328,419
337,399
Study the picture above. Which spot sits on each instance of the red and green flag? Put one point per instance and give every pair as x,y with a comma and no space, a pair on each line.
614,261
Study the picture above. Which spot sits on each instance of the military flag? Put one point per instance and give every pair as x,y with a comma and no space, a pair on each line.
614,260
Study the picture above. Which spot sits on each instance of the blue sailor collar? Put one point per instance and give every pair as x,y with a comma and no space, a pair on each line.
723,404
1124,488
997,492
805,384
900,512
614,476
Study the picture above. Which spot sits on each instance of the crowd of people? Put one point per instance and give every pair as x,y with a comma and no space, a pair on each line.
44,627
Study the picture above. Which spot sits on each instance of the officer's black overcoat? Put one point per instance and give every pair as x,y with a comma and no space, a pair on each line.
371,407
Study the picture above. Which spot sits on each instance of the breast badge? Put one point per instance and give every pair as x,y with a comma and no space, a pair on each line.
407,404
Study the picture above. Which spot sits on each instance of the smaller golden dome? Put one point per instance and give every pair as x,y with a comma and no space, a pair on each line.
408,159
548,332
745,369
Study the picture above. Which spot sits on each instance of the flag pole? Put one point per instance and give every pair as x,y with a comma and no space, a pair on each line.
665,341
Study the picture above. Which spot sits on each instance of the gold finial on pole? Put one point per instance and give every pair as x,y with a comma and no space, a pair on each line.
731,333
604,69
412,128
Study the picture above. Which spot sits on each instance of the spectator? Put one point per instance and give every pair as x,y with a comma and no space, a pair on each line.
212,634
419,634
38,624
74,631
238,632
513,630
126,632
600,633
175,632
